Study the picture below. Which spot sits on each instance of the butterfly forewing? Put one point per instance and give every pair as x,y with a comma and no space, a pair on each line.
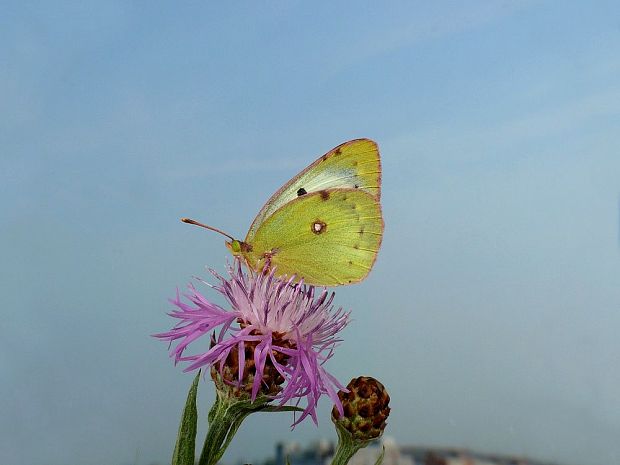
330,237
352,165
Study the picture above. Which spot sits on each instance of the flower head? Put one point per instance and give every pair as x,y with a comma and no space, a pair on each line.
365,409
274,340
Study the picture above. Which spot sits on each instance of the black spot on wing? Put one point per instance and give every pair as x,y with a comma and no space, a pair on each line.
301,191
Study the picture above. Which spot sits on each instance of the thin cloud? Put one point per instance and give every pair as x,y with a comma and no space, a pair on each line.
410,29
232,166
466,141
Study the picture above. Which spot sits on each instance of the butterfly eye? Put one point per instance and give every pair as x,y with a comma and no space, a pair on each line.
235,246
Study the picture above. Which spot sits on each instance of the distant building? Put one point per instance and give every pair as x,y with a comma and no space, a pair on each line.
314,454
321,453
370,454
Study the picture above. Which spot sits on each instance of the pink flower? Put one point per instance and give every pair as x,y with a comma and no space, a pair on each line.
288,329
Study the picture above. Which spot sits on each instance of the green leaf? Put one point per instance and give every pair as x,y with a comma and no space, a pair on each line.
185,448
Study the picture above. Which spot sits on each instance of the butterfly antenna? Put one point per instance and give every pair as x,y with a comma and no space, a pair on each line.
196,223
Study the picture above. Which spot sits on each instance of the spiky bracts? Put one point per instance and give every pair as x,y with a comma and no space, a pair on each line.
274,341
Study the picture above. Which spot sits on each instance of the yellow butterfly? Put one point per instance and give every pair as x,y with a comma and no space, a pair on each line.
325,224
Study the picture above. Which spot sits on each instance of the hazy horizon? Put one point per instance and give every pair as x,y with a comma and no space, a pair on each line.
492,312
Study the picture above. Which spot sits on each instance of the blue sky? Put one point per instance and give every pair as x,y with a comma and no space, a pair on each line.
493,310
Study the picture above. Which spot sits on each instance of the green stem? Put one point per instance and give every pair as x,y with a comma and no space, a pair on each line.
225,418
348,446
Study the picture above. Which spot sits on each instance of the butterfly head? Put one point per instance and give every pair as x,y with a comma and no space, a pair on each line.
234,246
238,248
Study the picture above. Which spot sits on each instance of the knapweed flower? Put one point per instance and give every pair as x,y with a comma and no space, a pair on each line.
273,341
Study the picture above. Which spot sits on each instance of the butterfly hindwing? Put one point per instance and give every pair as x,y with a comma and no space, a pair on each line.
330,237
352,165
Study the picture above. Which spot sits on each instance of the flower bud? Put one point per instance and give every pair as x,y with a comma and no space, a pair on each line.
365,409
